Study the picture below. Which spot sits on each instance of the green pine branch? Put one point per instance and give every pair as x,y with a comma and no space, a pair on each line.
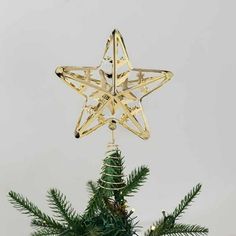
185,203
186,230
135,180
167,225
92,187
160,228
28,208
61,207
40,224
95,204
46,232
156,229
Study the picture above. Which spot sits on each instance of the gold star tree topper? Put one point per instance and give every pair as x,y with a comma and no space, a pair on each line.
113,91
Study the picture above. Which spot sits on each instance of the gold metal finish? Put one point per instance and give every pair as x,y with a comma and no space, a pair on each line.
113,91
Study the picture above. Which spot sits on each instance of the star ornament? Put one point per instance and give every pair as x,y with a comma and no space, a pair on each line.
113,91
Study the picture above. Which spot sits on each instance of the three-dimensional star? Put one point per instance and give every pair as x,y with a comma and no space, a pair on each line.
114,90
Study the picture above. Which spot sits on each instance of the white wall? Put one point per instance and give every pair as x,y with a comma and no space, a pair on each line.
192,118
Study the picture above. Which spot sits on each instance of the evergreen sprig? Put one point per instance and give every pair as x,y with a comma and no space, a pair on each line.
185,230
95,204
46,232
28,208
92,187
135,180
62,209
167,225
160,229
185,203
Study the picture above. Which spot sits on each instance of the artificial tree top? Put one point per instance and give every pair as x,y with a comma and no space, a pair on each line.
107,212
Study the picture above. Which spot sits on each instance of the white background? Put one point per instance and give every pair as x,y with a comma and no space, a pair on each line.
192,118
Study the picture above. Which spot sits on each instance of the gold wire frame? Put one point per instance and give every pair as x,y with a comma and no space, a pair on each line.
114,90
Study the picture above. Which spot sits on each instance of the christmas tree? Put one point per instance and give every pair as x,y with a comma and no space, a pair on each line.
115,98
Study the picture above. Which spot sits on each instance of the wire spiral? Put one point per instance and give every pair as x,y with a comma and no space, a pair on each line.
112,170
